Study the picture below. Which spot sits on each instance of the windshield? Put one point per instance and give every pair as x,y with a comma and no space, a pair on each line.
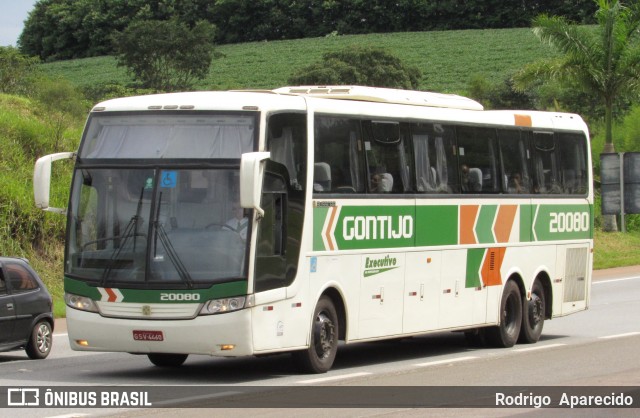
184,135
152,225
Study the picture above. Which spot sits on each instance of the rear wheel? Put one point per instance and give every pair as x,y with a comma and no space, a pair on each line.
167,360
319,357
40,342
507,332
533,315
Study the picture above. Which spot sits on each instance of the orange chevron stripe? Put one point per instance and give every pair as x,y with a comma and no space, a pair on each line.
468,214
504,222
329,227
490,272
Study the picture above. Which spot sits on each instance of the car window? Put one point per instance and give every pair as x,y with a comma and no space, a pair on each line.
3,284
20,278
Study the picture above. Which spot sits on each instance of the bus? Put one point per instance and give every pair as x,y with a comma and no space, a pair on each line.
245,223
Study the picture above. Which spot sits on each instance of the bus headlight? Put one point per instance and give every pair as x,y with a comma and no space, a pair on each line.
81,303
217,306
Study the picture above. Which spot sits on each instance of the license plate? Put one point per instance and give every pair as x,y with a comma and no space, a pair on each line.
148,335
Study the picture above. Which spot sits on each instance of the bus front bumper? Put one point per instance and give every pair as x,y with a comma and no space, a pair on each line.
227,335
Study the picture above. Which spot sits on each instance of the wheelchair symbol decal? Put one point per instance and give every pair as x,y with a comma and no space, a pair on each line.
169,179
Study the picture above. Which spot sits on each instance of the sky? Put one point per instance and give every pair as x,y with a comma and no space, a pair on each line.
12,16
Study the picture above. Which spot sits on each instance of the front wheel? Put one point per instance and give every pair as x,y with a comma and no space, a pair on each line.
506,333
167,360
533,315
40,342
319,357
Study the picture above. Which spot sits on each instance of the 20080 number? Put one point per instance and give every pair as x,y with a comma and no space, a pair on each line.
569,222
180,296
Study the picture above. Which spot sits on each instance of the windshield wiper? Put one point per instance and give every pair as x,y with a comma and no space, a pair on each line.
131,230
161,233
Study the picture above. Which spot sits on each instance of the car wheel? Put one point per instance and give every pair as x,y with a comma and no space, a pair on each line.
39,345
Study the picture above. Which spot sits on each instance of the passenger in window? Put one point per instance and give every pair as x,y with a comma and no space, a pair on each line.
516,185
464,177
381,182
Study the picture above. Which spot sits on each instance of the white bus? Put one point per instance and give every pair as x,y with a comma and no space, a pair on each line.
245,223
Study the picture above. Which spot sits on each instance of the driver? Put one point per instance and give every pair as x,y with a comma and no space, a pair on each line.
239,222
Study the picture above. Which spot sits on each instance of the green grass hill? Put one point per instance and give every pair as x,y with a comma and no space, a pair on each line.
448,59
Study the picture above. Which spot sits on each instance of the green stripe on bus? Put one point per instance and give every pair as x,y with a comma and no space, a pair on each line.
216,291
364,227
562,222
373,227
436,225
80,288
319,217
474,261
484,226
525,223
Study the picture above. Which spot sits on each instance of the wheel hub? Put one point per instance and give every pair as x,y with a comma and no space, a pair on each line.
324,335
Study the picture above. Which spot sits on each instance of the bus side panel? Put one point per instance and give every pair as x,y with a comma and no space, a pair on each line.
282,323
422,291
381,290
461,303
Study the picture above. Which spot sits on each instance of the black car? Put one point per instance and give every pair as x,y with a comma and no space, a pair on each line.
26,317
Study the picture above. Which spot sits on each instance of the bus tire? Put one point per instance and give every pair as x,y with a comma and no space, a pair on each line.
533,315
167,360
319,357
507,332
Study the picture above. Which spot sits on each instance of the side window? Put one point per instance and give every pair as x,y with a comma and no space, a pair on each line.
287,141
20,278
338,156
573,163
478,160
515,161
389,162
434,158
546,176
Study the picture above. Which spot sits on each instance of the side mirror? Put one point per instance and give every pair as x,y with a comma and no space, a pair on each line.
251,178
42,179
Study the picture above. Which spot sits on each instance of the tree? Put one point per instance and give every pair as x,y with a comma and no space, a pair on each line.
63,105
166,55
359,65
17,71
604,61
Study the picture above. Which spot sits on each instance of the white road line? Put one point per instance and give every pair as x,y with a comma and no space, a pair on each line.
538,347
196,398
332,378
70,416
628,334
616,280
452,360
60,335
